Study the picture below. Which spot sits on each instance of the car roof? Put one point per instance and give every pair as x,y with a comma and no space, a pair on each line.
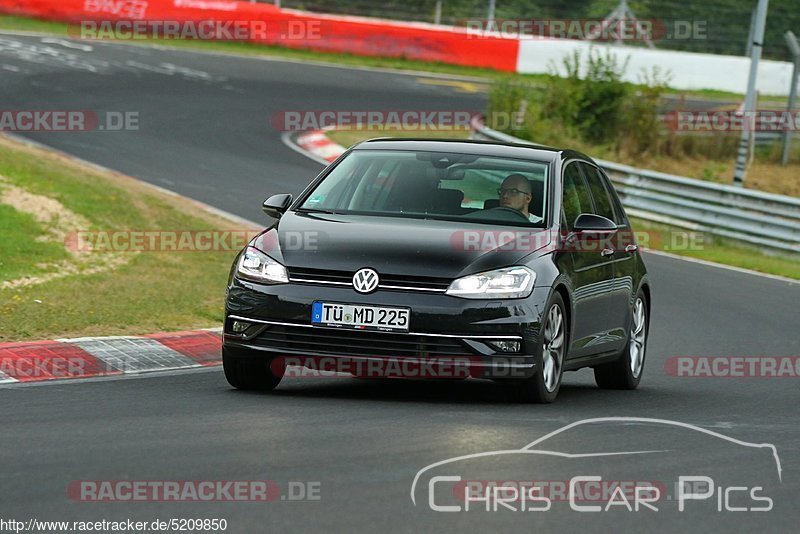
470,146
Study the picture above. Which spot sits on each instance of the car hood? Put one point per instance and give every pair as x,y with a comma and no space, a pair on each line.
396,245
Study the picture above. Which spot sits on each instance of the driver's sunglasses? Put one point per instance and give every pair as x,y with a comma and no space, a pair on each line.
501,192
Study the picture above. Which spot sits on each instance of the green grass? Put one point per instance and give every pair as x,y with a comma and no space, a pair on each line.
20,253
151,294
10,22
719,250
100,202
29,24
155,291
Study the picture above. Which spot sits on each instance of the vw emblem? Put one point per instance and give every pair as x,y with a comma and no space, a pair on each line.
365,281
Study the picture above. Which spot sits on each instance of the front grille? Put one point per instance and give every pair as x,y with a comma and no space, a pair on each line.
358,343
387,281
320,275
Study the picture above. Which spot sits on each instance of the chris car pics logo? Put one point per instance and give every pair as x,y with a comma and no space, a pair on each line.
591,487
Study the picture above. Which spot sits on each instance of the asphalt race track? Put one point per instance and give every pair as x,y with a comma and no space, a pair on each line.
204,131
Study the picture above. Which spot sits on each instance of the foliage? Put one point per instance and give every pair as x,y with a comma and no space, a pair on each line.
586,105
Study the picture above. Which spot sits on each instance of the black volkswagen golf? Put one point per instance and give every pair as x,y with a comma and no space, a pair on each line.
513,263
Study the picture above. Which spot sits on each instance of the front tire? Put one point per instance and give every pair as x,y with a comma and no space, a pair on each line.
543,387
626,373
248,372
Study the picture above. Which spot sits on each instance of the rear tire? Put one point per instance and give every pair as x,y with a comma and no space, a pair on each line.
251,373
543,387
626,373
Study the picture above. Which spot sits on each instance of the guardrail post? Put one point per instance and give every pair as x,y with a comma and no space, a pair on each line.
749,102
794,48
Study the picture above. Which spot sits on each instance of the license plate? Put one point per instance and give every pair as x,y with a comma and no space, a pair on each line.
360,317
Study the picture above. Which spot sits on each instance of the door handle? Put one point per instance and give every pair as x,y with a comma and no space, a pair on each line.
631,248
607,252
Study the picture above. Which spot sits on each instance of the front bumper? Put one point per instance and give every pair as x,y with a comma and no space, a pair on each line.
445,332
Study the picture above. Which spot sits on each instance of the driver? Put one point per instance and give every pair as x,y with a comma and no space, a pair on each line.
515,193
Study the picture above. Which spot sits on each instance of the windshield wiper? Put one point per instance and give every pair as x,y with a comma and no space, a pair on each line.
315,210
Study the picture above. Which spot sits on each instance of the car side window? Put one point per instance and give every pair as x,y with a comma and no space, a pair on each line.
621,218
576,199
602,200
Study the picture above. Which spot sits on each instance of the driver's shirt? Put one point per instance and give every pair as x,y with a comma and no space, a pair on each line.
534,218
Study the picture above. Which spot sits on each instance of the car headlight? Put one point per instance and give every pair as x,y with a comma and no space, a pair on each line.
506,283
256,266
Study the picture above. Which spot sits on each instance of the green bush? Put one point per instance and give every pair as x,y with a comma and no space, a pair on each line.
600,94
641,130
586,105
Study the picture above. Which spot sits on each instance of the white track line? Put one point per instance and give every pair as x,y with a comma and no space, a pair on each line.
723,266
147,374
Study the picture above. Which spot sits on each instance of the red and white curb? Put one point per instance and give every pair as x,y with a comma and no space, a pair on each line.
108,356
316,142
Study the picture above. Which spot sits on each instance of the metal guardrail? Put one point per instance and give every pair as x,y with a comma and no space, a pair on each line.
754,217
769,138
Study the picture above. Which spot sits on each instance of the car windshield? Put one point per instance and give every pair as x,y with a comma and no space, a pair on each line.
435,185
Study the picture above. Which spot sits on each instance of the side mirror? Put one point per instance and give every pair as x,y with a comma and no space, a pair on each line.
594,224
276,205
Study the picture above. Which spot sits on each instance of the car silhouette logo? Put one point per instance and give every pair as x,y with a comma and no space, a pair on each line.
365,281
